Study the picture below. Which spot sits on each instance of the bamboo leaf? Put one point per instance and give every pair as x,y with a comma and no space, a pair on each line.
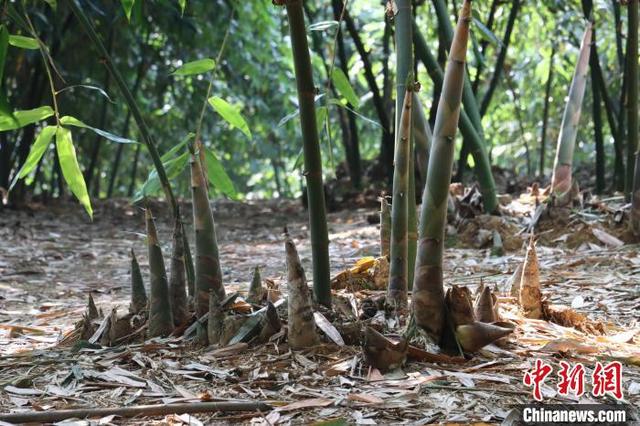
295,113
68,120
127,5
23,42
71,168
298,163
218,177
87,86
488,34
342,85
25,117
173,168
183,5
367,119
35,154
196,67
173,151
230,114
322,25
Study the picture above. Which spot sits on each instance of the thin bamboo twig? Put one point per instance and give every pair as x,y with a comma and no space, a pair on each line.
140,410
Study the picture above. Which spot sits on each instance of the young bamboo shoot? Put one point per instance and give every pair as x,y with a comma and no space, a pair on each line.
208,273
138,293
160,316
177,282
399,261
302,327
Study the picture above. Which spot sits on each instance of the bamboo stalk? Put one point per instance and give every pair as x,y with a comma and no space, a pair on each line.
561,181
428,290
135,411
477,145
385,228
632,112
311,151
422,136
399,253
208,275
160,316
404,66
502,56
545,112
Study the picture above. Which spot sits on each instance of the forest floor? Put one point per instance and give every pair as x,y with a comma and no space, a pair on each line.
52,257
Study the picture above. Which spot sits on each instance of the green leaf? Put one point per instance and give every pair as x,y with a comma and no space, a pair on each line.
24,117
298,163
68,120
218,177
230,114
196,67
35,154
71,168
127,5
295,113
173,151
367,119
52,3
489,35
87,86
183,5
322,25
342,85
23,42
173,167
4,46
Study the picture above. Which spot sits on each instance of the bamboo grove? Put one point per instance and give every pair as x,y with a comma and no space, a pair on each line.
460,68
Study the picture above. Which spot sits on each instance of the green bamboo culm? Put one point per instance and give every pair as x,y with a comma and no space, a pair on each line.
422,136
385,228
467,129
177,280
428,290
207,264
311,152
138,293
404,66
632,111
160,316
399,255
561,181
468,98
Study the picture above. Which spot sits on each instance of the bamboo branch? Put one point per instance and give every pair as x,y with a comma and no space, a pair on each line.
128,412
129,99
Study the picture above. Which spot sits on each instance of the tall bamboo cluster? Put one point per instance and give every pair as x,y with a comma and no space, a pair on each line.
428,290
311,151
561,181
